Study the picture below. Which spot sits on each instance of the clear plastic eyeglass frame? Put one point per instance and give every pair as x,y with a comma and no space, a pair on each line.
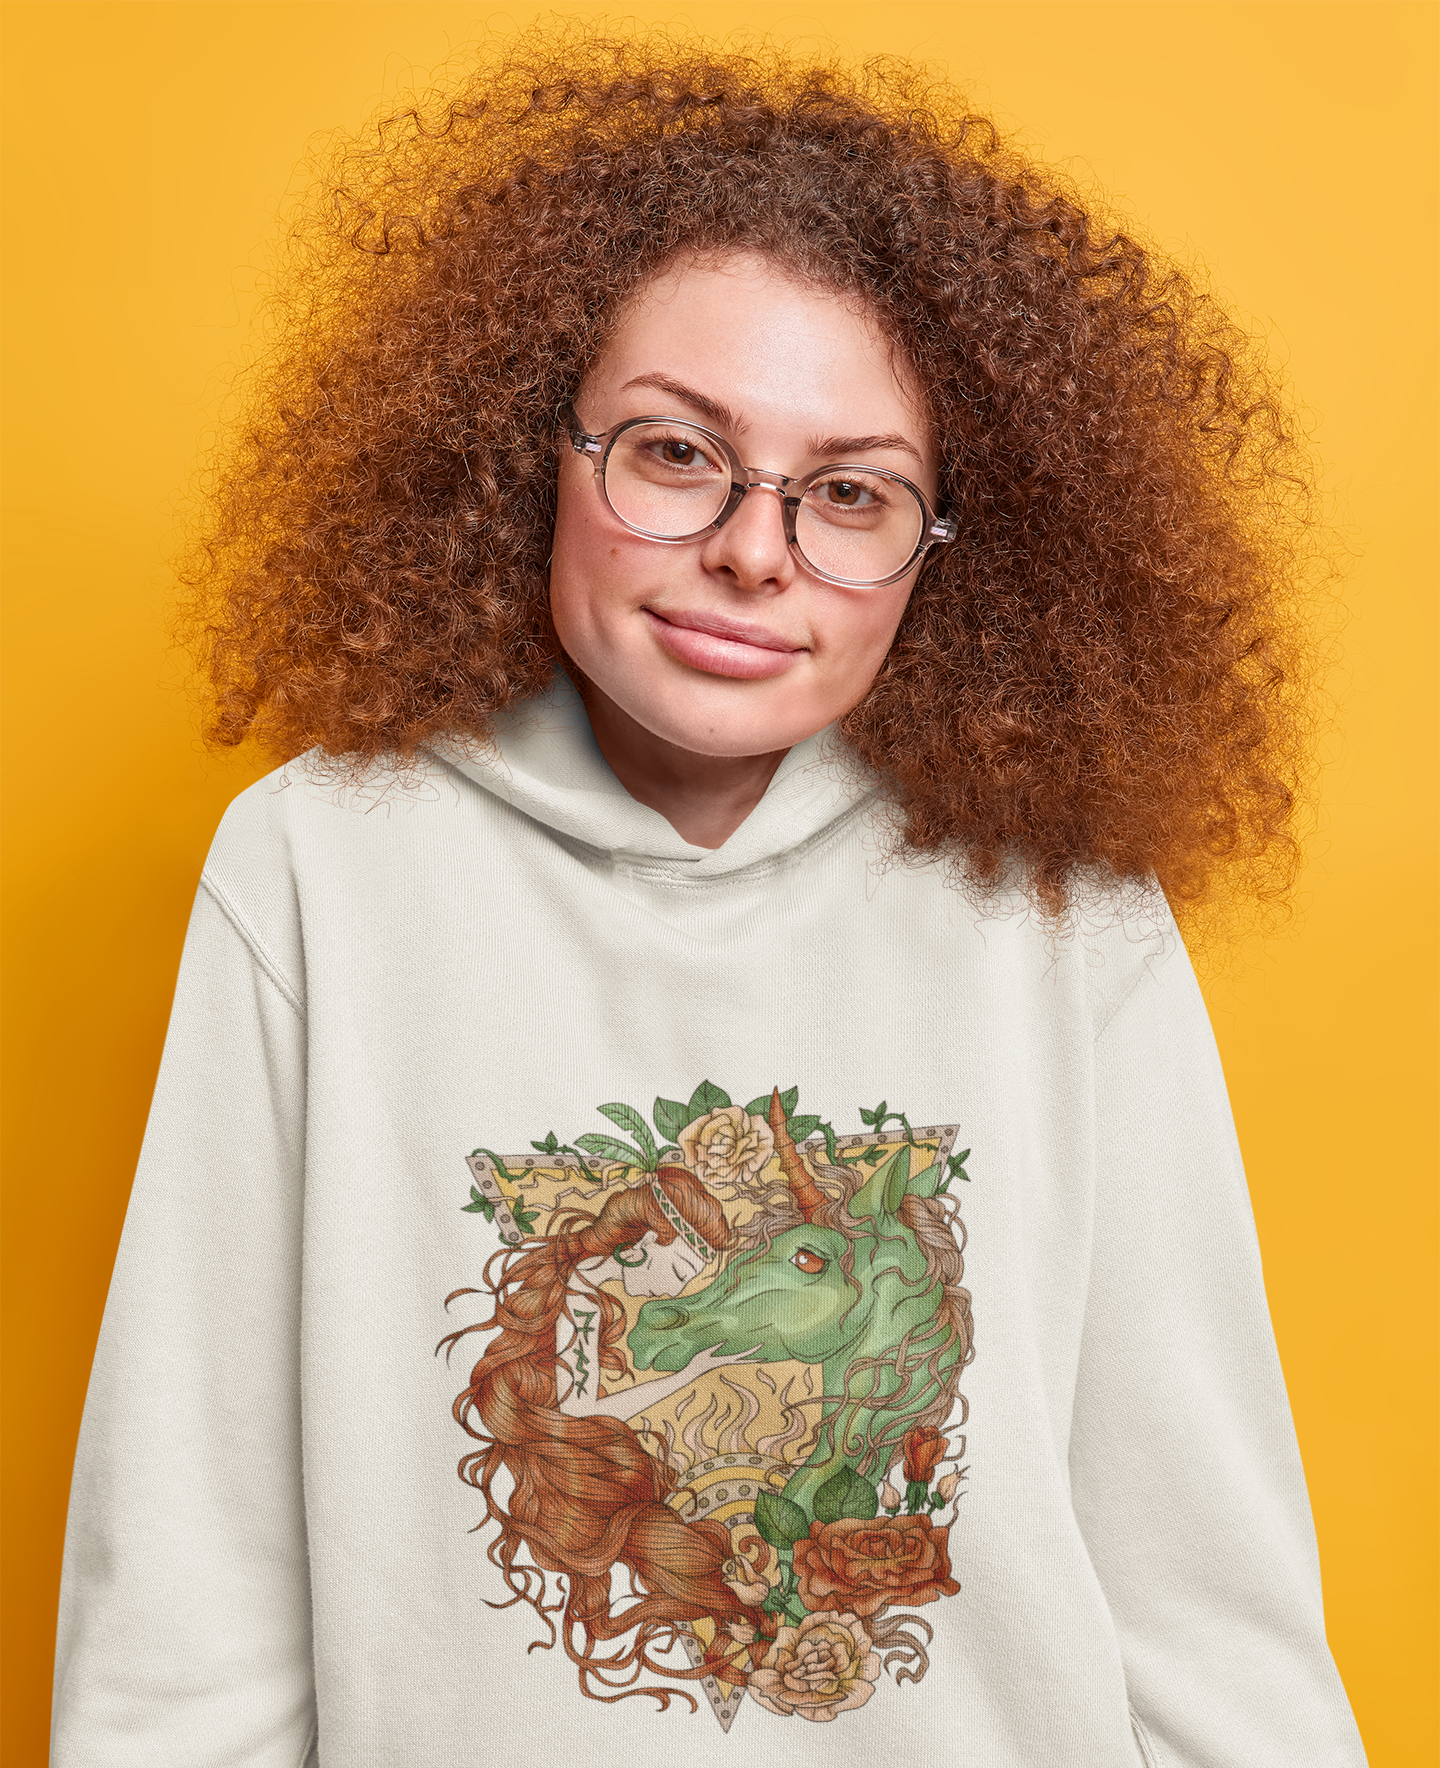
935,530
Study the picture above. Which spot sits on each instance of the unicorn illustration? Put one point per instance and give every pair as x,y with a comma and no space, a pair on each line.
624,1332
865,1284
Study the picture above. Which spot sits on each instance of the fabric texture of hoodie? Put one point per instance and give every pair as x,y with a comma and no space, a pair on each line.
400,1010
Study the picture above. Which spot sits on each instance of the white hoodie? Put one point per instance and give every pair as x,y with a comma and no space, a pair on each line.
270,1558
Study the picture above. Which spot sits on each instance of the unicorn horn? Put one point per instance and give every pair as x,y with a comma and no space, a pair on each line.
808,1195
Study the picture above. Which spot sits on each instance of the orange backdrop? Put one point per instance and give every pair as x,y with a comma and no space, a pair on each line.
1291,146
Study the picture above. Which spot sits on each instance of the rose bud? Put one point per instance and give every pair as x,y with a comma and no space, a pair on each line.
924,1447
889,1498
945,1488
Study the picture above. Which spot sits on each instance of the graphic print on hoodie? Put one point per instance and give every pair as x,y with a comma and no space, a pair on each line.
726,1350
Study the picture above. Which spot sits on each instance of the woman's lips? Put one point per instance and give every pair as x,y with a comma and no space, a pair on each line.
719,646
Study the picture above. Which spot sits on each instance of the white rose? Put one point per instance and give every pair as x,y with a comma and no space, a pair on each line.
727,1147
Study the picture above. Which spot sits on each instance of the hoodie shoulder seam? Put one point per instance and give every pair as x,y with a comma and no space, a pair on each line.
226,905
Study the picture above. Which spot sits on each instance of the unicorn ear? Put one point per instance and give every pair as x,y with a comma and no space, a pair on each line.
924,1184
881,1193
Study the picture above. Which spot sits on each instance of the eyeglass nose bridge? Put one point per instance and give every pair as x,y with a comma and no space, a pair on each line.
748,479
766,479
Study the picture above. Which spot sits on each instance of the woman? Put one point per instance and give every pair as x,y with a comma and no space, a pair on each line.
652,1238
538,1396
691,483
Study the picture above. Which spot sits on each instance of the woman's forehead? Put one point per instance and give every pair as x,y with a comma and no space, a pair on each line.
756,346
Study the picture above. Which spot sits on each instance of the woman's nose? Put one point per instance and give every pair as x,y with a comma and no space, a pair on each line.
751,550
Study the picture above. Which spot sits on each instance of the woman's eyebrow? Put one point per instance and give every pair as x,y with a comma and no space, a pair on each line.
720,416
716,413
849,447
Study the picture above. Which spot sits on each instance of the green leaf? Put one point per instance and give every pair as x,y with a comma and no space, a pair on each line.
479,1205
760,1106
630,1119
548,1146
846,1494
706,1097
868,1116
801,1127
608,1148
670,1117
780,1522
524,1218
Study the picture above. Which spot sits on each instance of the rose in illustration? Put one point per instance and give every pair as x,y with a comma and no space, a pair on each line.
825,1666
924,1446
863,1566
726,1147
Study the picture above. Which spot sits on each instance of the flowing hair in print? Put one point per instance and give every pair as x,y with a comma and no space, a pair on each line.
586,1495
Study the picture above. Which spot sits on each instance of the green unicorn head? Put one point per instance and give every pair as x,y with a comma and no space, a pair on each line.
851,1288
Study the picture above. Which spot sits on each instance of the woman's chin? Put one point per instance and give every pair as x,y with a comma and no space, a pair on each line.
724,719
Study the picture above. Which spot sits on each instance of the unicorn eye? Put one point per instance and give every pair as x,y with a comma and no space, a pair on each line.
809,1262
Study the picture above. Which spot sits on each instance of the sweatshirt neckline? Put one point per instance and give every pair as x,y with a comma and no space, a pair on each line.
545,763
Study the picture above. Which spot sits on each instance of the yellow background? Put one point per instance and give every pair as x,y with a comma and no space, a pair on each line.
1292,146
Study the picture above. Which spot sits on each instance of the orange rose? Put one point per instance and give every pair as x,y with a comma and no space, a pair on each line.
924,1446
864,1566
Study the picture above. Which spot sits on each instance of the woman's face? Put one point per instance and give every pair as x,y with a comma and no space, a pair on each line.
647,1267
727,645
652,1269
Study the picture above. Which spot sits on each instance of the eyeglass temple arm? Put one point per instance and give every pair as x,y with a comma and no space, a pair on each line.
580,438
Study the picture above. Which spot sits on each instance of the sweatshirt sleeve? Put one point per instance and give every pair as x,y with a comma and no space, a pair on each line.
1186,1476
185,1610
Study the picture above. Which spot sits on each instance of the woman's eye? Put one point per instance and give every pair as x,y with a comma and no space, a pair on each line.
809,1262
679,451
848,494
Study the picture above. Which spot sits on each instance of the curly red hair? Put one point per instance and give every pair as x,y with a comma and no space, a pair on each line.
1100,678
586,1495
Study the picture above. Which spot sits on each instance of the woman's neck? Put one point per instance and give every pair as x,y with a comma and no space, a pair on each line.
704,798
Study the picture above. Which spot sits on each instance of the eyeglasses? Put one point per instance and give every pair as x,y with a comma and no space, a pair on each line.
675,481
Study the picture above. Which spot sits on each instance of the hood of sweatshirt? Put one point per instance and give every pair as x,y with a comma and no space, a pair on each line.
545,763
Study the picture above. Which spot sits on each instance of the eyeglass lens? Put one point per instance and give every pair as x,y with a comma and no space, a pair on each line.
670,481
